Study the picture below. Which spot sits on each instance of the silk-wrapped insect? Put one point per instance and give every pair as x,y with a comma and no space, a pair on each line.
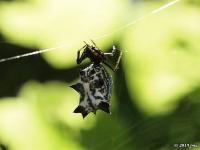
95,84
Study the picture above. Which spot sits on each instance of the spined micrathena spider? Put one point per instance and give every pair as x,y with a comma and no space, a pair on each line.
95,84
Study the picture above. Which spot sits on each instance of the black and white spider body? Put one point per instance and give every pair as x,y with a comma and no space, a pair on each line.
95,88
95,84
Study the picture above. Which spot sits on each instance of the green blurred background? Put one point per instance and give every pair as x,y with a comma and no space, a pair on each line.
156,91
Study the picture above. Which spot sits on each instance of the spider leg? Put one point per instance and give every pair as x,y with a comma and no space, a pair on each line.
114,50
85,43
118,59
112,53
108,54
93,43
117,62
79,58
94,47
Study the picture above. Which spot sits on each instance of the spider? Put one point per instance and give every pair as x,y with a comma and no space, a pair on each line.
97,56
95,84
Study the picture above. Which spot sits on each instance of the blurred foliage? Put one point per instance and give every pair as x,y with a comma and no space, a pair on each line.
163,62
51,23
155,101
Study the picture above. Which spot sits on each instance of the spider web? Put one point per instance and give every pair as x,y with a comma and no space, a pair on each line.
132,126
155,11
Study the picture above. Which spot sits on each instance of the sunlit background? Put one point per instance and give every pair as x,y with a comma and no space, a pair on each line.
155,103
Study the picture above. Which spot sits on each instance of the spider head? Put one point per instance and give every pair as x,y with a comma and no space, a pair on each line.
92,52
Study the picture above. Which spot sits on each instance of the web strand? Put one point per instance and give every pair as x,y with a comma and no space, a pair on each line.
155,11
31,53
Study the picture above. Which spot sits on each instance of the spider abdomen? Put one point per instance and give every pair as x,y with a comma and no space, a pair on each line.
95,88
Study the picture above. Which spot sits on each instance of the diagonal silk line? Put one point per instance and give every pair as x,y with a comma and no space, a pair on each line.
155,11
31,53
